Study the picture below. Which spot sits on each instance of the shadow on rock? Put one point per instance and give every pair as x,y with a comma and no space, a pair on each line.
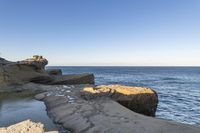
137,99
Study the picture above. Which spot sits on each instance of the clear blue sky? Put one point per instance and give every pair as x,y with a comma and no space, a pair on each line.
102,32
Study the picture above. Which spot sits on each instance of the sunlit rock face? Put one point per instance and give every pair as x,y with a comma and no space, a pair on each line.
37,61
25,127
138,99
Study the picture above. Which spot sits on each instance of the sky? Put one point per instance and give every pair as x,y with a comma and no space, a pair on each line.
102,32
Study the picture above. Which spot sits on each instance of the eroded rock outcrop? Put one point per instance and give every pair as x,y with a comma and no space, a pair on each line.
138,99
37,61
20,72
33,70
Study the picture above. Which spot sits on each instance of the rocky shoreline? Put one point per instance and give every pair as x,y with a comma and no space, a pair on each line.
24,127
76,103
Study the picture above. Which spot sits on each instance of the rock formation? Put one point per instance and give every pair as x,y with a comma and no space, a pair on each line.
138,99
37,61
98,112
25,127
32,70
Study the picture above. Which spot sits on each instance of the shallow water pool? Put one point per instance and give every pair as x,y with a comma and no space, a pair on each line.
18,107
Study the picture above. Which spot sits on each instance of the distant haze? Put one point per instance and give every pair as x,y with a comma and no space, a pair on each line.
102,32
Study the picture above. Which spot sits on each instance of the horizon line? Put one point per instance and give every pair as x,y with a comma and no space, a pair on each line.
114,66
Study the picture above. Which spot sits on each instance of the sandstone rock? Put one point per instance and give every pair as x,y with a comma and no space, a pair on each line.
103,114
86,78
32,70
19,73
25,127
37,61
54,72
65,79
22,71
138,99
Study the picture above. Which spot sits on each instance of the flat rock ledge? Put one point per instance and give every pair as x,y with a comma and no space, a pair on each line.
138,99
25,127
91,109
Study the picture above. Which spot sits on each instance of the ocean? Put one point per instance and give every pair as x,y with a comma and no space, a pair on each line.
178,88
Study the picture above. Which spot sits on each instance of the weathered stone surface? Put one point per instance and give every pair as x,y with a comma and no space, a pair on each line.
19,73
138,99
65,79
54,72
86,78
23,87
22,71
37,61
25,127
66,106
32,70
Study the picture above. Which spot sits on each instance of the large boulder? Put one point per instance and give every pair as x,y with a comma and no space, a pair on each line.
37,61
22,71
138,99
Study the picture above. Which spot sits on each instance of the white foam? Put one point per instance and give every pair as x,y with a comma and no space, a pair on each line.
68,91
70,98
60,95
65,86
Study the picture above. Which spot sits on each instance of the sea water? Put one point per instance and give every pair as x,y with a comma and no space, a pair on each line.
17,107
178,88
